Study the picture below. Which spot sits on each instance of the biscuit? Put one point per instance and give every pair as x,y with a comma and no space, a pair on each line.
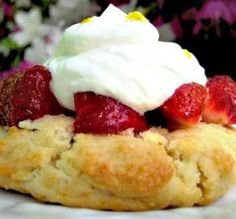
153,170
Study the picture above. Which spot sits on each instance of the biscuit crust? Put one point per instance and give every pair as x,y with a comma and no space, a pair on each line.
153,170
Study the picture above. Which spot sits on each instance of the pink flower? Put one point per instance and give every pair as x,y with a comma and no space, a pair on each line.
214,11
176,27
7,10
219,9
193,14
158,21
23,65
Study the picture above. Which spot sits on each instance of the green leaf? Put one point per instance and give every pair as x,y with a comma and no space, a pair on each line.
16,61
1,16
9,43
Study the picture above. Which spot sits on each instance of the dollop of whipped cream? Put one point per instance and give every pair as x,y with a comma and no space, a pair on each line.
120,56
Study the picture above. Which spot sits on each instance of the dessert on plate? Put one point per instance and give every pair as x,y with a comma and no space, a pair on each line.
118,120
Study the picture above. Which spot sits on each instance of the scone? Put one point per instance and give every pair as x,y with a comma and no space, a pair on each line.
120,172
118,120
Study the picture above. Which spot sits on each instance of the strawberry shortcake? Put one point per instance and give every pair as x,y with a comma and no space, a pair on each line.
118,120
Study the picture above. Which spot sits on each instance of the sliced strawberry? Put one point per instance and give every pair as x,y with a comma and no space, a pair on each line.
103,115
26,95
184,108
221,104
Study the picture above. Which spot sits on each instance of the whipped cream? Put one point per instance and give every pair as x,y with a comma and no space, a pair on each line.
120,56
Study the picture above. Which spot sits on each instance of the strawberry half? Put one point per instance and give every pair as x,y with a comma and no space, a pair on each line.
26,95
184,108
103,115
221,104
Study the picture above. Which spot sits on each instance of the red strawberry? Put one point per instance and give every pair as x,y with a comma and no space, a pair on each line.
102,115
221,104
26,95
184,108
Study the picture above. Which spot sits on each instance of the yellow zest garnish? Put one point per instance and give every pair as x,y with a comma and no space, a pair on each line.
187,53
136,16
87,20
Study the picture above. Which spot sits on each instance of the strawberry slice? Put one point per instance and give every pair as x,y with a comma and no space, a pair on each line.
26,95
221,104
103,115
184,108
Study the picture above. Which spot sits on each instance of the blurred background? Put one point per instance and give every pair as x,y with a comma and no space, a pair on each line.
30,29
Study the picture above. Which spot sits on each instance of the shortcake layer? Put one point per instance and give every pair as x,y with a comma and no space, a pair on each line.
152,170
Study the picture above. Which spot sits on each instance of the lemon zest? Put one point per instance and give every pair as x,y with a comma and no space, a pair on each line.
87,20
187,53
136,16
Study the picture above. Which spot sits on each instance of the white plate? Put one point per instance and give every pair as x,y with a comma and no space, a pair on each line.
17,206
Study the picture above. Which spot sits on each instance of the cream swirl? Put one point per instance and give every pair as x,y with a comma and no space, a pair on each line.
120,56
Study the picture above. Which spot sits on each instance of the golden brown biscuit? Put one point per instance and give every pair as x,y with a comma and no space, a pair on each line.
153,170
